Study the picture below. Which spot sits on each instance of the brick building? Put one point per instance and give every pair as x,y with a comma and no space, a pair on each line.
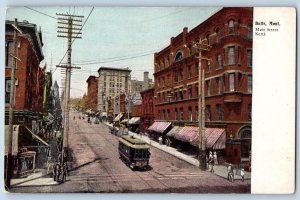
92,93
29,75
228,76
147,110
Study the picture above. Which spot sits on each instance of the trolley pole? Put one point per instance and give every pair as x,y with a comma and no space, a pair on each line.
9,160
201,105
72,22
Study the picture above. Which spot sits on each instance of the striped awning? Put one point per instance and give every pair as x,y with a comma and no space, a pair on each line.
175,130
159,127
135,120
187,133
215,138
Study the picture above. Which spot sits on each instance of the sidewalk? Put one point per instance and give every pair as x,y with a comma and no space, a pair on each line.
219,170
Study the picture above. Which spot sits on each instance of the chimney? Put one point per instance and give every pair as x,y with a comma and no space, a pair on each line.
146,80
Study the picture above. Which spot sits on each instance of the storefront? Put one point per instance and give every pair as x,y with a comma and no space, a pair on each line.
171,141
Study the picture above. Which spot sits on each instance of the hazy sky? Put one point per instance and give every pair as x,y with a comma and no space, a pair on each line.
112,37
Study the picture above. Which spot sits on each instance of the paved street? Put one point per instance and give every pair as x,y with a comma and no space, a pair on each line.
97,168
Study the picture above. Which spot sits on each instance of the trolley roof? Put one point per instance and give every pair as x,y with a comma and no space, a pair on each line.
133,142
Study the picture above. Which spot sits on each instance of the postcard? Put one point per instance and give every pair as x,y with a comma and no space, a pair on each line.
150,100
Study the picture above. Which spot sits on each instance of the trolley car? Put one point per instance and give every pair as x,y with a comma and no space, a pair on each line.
134,152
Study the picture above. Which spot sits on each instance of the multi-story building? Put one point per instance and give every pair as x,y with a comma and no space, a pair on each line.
228,75
147,109
29,75
92,93
111,83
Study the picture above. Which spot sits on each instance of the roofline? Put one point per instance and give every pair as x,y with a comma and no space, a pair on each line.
114,69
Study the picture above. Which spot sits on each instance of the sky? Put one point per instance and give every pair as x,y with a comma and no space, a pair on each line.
111,37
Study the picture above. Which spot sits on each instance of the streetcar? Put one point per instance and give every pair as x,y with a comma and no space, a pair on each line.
134,152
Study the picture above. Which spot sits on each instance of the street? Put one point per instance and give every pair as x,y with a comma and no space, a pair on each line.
97,168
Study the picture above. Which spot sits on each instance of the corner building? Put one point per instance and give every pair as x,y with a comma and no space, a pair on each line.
228,76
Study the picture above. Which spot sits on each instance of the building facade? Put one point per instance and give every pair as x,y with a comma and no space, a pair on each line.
92,93
147,109
111,83
29,75
228,75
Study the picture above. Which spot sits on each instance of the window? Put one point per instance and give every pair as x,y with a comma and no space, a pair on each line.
208,87
219,112
176,114
7,90
197,68
250,112
219,85
181,75
208,113
178,56
168,114
181,94
249,58
190,50
167,63
159,114
158,97
158,85
219,61
231,82
190,113
250,84
163,82
231,26
181,114
208,66
250,31
207,39
190,91
175,95
231,55
163,97
197,113
189,71
164,114
218,35
196,91
8,51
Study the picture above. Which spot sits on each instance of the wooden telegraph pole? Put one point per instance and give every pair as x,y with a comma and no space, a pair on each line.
9,164
72,30
201,104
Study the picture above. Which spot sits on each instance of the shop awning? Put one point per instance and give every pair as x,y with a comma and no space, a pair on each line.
103,114
187,133
175,130
36,136
159,127
215,138
135,120
118,118
124,121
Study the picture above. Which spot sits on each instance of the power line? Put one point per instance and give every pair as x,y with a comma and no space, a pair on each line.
40,12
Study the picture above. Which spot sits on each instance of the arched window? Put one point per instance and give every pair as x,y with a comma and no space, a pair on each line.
166,63
208,39
218,35
162,65
231,26
178,56
250,31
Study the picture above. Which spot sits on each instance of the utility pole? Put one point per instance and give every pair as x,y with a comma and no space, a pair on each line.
72,30
9,160
201,104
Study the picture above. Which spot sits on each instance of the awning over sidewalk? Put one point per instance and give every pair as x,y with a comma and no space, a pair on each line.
175,130
36,136
159,127
135,120
215,138
103,114
187,133
118,118
124,121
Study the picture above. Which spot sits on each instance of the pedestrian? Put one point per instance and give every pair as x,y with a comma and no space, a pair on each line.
230,176
243,174
215,158
211,162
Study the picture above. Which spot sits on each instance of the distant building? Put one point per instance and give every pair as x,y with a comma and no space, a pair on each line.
29,75
111,83
147,109
92,93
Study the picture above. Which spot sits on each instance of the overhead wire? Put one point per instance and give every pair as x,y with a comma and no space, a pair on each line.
40,12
